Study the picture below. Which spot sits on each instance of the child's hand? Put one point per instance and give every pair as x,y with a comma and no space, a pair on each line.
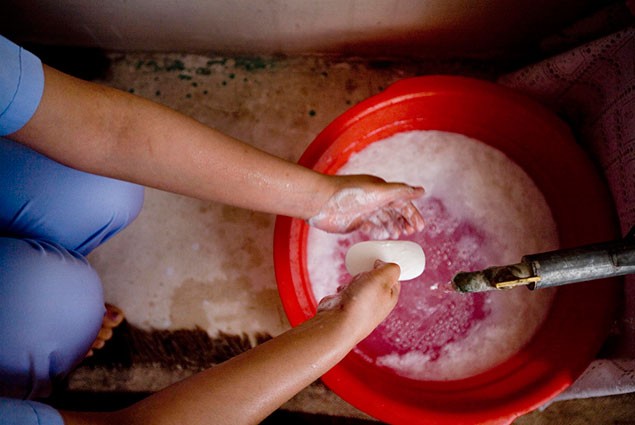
382,210
368,299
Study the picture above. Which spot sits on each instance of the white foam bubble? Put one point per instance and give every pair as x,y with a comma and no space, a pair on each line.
476,206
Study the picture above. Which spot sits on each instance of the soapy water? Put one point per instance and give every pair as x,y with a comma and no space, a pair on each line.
476,216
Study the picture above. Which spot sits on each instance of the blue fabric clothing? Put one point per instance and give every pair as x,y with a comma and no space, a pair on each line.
17,412
51,299
51,309
51,217
43,199
21,86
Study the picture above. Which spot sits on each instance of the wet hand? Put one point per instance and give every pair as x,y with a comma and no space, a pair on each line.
382,210
368,299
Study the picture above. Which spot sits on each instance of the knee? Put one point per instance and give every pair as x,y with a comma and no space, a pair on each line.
51,309
111,205
49,201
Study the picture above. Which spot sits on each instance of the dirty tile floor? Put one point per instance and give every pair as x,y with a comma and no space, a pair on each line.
190,264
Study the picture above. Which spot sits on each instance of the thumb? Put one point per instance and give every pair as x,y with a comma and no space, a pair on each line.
378,264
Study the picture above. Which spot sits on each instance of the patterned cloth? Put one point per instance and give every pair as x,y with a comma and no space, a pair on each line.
593,88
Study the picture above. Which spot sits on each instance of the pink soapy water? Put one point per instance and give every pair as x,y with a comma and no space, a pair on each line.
429,315
435,333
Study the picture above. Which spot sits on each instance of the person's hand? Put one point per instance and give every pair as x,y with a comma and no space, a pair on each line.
368,299
382,210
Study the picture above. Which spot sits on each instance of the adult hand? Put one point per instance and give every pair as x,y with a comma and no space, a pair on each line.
368,299
380,209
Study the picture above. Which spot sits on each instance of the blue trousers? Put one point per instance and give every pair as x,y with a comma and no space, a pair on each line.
51,299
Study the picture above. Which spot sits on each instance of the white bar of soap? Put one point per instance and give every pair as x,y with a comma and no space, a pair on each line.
408,255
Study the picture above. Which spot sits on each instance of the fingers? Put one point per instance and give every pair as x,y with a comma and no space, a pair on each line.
379,264
368,203
375,294
397,193
413,217
394,213
330,302
372,294
381,284
403,209
388,273
404,192
393,221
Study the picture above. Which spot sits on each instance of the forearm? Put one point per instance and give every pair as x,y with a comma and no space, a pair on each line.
113,133
247,388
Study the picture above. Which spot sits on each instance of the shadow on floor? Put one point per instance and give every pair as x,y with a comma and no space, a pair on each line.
99,402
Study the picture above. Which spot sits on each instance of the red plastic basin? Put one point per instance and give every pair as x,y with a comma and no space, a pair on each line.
544,147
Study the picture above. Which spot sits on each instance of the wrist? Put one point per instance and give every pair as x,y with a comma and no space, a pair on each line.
342,324
324,188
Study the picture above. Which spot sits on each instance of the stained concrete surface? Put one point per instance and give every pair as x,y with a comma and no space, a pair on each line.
186,263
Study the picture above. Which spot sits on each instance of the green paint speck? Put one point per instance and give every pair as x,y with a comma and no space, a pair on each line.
203,71
252,63
153,65
185,77
216,62
177,65
232,76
